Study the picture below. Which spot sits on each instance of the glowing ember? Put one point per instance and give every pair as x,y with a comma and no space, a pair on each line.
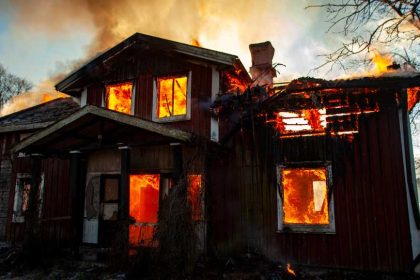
172,96
413,96
195,196
312,120
234,83
144,206
305,196
290,270
118,97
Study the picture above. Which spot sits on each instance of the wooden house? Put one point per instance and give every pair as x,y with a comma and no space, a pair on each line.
317,172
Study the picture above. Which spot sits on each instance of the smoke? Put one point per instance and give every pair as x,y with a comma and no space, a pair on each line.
220,24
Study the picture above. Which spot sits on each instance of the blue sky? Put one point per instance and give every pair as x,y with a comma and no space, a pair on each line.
36,44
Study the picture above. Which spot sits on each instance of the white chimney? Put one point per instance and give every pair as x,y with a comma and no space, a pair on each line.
262,71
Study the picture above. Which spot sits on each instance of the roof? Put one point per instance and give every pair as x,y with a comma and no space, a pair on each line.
142,42
38,116
94,127
398,79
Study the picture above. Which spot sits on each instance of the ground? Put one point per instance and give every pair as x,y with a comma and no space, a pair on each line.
244,267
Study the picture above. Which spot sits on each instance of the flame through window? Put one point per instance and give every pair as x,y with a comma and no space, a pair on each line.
118,97
172,96
144,206
305,196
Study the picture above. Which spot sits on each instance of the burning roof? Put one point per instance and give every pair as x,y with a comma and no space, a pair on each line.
143,43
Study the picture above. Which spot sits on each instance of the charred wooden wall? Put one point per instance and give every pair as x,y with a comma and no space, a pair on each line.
142,70
372,227
55,218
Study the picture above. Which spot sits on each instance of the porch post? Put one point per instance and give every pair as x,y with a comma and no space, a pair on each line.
177,157
124,197
77,197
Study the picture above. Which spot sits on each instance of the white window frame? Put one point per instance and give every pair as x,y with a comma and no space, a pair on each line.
133,96
185,117
305,228
18,216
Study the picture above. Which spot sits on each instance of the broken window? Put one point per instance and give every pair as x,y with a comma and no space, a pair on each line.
110,186
303,197
21,201
195,197
171,98
119,97
144,206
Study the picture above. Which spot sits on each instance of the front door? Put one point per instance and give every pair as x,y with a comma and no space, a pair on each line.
144,206
108,209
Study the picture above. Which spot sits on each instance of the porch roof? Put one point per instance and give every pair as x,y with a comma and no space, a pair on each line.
93,128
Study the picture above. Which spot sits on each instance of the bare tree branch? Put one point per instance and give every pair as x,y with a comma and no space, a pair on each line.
11,85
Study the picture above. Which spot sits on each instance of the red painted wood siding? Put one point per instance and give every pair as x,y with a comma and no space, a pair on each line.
372,230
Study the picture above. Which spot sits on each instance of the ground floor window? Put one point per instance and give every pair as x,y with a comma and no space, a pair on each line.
304,198
196,197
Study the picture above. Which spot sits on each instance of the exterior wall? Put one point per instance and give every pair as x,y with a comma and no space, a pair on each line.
372,227
56,212
143,70
6,141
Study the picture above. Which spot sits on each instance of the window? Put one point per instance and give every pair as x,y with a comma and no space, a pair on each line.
303,198
171,100
144,206
110,186
21,201
195,197
119,97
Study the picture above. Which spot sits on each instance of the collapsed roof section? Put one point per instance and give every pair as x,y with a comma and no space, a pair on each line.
313,107
141,43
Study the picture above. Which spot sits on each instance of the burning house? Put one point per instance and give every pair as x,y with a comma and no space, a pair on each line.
292,172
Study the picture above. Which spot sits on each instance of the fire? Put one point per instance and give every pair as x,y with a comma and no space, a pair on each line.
144,206
234,83
118,97
195,196
195,42
305,196
172,96
413,96
310,120
290,270
380,63
29,99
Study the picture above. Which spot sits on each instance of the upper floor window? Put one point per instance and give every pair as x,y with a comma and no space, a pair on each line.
172,98
303,202
119,97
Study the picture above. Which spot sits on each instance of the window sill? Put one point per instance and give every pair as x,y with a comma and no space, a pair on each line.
172,119
307,229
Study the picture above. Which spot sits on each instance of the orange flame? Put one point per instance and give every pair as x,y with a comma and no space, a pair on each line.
305,196
29,99
234,83
195,196
380,63
195,42
290,270
144,206
119,97
413,96
172,96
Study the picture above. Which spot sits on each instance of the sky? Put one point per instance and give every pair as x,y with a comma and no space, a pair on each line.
40,39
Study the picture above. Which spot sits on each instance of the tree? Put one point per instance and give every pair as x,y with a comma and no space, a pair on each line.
390,26
11,85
